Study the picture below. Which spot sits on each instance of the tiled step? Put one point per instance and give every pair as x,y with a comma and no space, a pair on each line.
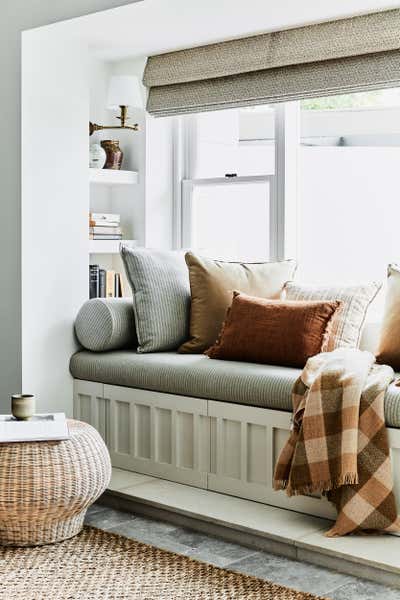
258,525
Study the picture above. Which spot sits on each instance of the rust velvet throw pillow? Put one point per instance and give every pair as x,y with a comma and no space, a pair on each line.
273,332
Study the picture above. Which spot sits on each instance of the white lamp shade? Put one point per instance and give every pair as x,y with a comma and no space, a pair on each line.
124,90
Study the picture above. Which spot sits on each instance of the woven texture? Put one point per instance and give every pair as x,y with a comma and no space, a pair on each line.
348,321
46,487
106,324
197,376
284,84
339,443
366,34
351,55
97,565
161,297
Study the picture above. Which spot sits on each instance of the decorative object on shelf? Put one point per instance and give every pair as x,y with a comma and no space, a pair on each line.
97,156
23,406
114,154
123,92
105,226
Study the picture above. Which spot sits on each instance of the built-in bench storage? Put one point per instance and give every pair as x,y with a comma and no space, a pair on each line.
216,445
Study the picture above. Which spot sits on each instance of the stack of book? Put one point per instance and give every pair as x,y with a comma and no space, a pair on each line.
104,226
104,284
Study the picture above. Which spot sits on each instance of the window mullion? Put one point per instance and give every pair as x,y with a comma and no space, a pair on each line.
284,205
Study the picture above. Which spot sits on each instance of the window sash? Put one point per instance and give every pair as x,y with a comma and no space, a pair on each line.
188,186
283,188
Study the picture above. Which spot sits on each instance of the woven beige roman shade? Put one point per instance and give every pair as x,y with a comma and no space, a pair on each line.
341,56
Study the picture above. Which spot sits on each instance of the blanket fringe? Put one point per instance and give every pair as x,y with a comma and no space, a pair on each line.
319,487
280,484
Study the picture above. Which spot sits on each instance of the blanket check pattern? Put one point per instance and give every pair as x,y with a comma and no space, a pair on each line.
339,443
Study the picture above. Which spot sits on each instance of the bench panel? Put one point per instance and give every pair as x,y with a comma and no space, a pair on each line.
224,447
162,435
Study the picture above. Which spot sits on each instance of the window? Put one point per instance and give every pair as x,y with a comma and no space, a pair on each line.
319,183
228,201
348,192
217,146
228,219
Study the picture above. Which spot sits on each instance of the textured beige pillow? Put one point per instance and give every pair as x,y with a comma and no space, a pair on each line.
349,318
389,343
212,283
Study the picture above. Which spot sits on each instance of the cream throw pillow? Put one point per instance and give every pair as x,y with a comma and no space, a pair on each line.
212,283
348,321
389,343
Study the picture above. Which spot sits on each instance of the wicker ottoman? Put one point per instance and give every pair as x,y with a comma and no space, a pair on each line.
46,487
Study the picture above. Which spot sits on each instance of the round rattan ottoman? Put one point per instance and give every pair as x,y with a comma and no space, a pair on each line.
46,487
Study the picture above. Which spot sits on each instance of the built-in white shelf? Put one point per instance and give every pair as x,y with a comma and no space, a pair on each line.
108,246
112,177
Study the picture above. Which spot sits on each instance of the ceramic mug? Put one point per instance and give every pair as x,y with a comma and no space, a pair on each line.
23,406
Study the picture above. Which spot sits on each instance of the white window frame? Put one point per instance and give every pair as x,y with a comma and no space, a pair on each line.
187,213
283,184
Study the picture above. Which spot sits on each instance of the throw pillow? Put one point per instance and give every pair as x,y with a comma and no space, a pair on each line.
106,324
389,342
212,283
273,332
161,297
348,321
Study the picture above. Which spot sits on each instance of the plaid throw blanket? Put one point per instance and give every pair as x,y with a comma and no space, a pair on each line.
339,443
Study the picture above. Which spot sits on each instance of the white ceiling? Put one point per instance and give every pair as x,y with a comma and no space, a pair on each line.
155,26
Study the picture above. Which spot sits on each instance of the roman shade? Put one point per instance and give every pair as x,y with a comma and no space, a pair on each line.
346,55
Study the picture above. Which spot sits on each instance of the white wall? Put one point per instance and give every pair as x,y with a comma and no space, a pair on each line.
55,199
54,212
17,16
159,183
99,74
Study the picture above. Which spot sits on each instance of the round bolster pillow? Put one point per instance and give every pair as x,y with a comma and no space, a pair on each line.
106,324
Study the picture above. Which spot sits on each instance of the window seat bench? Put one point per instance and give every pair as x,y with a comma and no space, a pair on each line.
217,425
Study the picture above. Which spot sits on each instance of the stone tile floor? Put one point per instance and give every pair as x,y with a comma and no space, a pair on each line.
292,573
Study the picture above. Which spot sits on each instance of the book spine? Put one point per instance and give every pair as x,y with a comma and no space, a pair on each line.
105,217
121,286
102,283
110,284
105,230
93,281
97,236
116,285
108,226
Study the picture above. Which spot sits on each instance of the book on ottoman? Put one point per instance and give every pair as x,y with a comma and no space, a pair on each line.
40,428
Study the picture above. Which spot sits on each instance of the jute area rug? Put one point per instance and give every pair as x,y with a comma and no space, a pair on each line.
98,565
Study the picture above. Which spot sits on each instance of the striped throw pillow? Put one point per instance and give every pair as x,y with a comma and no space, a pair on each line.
161,297
348,321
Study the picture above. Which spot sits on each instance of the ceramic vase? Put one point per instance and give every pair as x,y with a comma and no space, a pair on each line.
114,154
